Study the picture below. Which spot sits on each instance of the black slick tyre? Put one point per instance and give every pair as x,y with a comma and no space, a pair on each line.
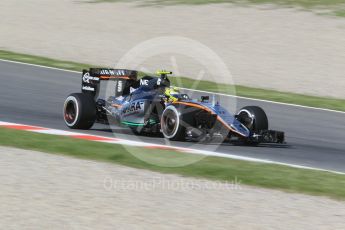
171,124
79,111
254,118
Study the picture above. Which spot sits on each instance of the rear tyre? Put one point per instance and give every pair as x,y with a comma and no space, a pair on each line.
171,124
79,111
254,118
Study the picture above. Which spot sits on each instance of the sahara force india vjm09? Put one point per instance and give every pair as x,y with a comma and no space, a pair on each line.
150,105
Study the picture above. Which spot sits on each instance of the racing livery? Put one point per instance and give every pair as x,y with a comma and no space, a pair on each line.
150,105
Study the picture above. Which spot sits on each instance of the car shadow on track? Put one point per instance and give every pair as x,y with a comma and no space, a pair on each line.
126,131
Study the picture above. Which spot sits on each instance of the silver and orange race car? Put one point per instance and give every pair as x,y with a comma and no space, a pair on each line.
150,105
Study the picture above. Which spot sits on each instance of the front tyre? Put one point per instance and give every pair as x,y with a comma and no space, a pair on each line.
79,111
171,124
254,118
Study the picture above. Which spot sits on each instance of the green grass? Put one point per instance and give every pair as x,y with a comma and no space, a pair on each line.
265,94
340,13
214,168
272,95
303,3
26,58
330,5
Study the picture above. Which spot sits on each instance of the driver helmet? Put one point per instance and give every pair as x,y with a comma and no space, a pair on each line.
172,94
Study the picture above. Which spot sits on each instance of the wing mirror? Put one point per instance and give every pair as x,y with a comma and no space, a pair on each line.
205,99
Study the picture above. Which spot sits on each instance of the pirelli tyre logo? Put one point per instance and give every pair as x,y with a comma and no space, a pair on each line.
134,107
87,78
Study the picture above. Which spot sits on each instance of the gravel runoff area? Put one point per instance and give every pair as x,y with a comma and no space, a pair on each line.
267,47
45,191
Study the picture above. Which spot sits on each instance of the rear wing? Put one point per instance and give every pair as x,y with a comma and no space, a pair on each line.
123,79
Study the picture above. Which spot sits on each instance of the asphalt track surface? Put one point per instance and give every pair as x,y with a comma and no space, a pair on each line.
315,138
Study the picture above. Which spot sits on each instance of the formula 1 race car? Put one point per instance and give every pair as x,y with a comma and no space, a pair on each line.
149,105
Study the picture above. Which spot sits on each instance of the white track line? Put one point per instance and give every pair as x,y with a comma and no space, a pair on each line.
201,91
267,101
110,140
40,66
